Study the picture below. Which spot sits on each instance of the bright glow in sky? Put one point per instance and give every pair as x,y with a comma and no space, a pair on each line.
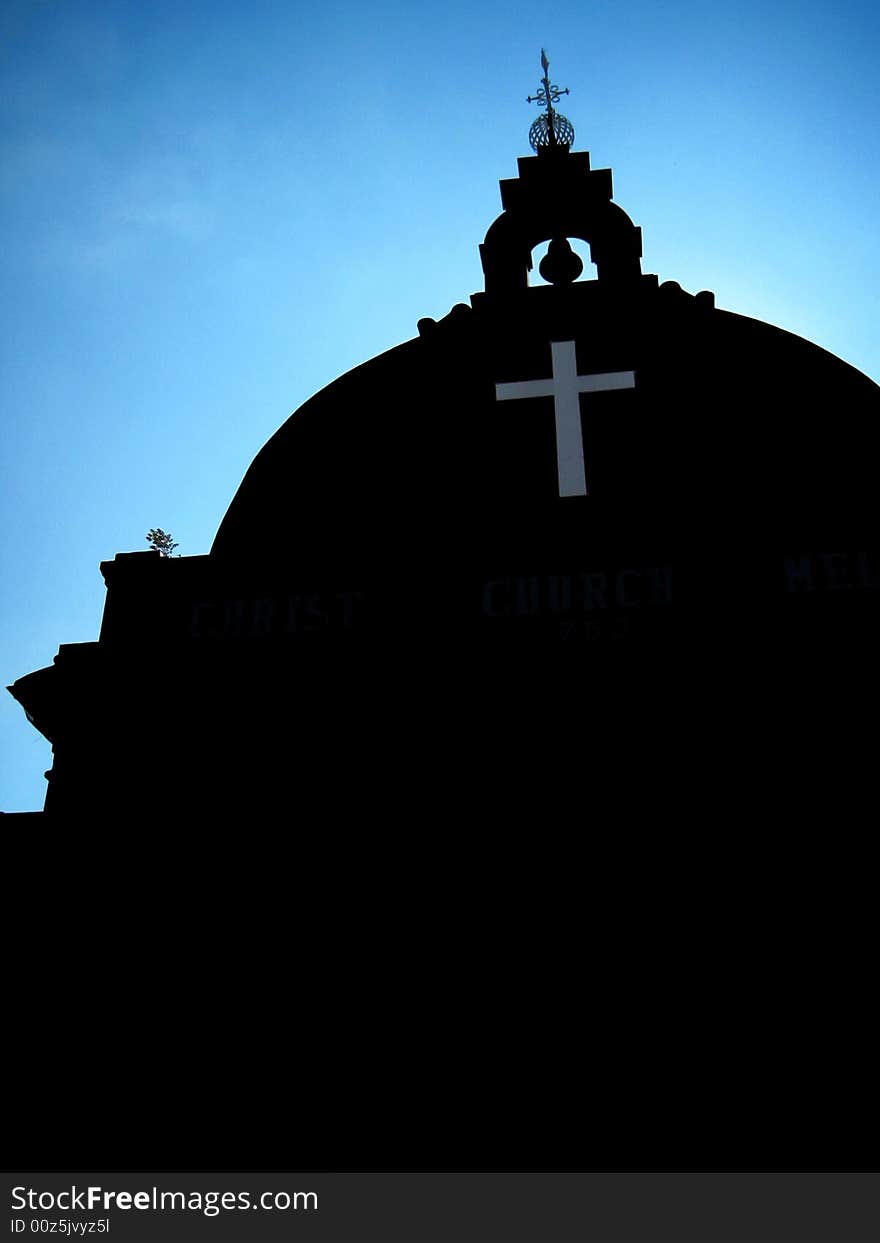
211,210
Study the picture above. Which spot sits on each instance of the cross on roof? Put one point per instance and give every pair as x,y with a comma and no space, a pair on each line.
548,94
565,388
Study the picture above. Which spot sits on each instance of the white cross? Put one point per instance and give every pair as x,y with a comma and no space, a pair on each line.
565,388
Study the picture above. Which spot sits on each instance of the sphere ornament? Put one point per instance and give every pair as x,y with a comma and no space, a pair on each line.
542,136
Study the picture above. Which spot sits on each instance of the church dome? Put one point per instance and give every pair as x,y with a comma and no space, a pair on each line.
413,453
542,421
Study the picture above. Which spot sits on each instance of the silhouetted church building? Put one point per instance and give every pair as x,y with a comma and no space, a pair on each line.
584,461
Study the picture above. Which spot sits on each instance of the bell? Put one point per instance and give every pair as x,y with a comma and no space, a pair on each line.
560,265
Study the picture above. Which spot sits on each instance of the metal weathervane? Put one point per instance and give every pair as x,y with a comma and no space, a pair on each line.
553,129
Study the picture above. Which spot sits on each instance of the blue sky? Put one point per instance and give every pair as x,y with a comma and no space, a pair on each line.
210,210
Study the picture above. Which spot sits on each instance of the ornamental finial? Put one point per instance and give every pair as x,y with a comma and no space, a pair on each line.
553,129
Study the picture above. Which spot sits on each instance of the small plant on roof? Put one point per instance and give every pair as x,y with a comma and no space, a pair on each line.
161,542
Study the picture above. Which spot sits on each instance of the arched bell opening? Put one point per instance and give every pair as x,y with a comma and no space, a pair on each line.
562,261
608,236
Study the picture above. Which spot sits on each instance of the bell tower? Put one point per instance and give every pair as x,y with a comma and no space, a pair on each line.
558,196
